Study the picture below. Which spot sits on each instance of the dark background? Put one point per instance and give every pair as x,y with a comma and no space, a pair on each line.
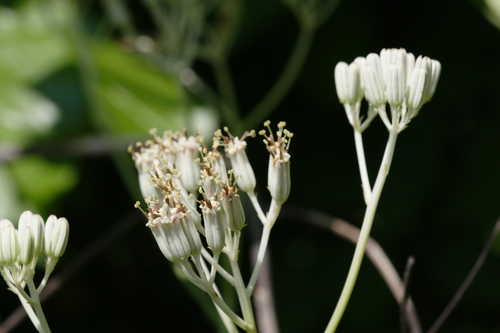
439,204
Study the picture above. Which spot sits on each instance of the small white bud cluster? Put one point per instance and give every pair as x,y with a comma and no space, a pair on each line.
393,77
21,248
194,209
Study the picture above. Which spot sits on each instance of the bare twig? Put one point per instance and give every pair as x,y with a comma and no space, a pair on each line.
373,251
265,309
467,282
74,266
406,283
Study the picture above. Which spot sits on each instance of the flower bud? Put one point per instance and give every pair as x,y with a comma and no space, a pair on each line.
233,209
432,78
56,236
415,92
278,179
192,235
159,233
278,175
26,245
35,223
215,227
186,162
373,83
235,214
175,233
347,82
9,244
242,169
170,239
219,166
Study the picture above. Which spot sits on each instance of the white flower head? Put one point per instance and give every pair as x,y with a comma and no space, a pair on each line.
215,224
233,209
372,80
187,161
56,236
9,244
395,77
174,229
36,225
278,144
26,245
348,83
235,148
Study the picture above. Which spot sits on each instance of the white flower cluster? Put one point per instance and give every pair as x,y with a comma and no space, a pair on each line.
393,77
192,198
21,248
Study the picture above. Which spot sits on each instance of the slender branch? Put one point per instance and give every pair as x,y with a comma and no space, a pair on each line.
257,207
261,253
290,73
44,325
363,170
406,283
364,235
265,309
225,274
271,218
467,282
241,291
374,252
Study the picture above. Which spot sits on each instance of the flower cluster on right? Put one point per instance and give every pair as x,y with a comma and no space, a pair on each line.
393,77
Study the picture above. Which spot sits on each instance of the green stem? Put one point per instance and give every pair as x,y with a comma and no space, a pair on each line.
276,94
244,299
44,325
269,221
364,234
363,170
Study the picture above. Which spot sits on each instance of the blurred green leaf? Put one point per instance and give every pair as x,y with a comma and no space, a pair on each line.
24,114
32,40
132,96
41,181
9,200
490,9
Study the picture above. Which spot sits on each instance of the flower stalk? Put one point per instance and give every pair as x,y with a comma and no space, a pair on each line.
393,78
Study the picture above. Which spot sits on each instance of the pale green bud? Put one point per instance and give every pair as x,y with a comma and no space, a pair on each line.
278,179
242,169
9,244
233,209
56,236
35,223
215,226
348,83
26,245
187,163
372,80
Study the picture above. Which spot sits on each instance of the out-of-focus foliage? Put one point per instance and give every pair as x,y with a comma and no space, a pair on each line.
132,96
492,11
41,181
